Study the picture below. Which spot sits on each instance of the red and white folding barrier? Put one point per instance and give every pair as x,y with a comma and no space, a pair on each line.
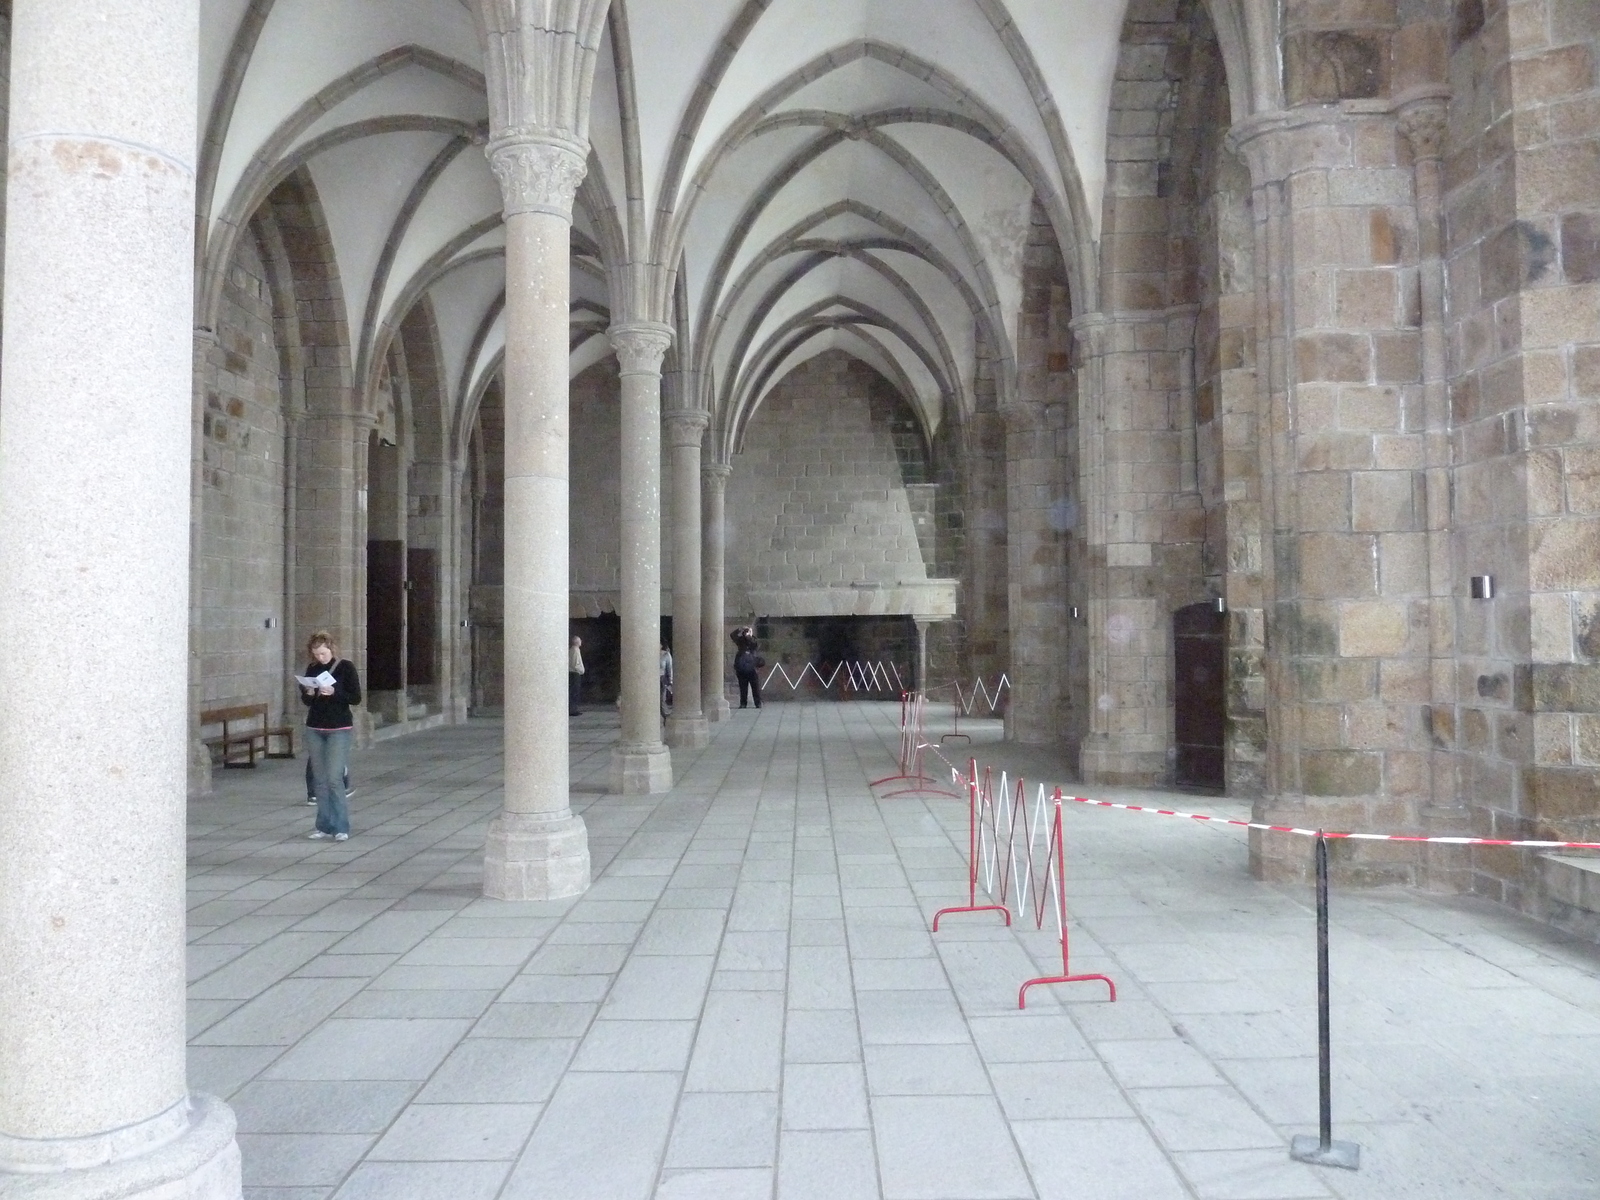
913,741
1009,847
965,701
858,676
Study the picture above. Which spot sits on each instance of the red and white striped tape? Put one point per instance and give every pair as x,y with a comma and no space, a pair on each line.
1329,833
1531,843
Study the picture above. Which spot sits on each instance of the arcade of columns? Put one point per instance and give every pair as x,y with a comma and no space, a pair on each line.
1338,527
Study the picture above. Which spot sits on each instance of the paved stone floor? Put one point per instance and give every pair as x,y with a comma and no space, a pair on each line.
748,1002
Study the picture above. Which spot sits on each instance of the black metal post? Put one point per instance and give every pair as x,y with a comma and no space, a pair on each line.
1324,1041
1324,1151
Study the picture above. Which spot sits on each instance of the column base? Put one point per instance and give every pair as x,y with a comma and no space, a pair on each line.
199,768
641,770
533,857
688,733
201,1163
718,709
1102,759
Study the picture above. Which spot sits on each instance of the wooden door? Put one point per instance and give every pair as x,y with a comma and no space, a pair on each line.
1200,655
422,617
386,615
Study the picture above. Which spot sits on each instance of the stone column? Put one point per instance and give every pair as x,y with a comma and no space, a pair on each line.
1145,531
686,429
1344,461
922,624
1423,122
713,630
94,533
641,764
537,848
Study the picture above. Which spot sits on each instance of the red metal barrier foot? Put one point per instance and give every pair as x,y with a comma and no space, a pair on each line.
999,908
1022,995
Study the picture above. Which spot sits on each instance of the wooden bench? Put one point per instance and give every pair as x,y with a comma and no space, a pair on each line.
240,747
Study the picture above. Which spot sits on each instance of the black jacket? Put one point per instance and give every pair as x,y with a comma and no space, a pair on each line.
332,712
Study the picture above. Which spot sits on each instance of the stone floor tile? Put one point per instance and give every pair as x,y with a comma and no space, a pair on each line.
424,1181
1249,1175
824,1096
331,1106
1201,1118
1106,1159
433,1002
915,1017
837,1164
601,1138
371,1048
823,1036
636,1046
724,1129
457,1133
740,1043
282,1014
1039,1035
718,1184
937,1146
1159,1064
659,988
304,1159
1058,1090
942,1070
222,1070
548,1020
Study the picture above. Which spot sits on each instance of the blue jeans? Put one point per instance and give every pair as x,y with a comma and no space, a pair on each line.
311,784
329,750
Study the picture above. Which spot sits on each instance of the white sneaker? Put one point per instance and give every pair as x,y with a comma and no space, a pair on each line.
311,801
316,835
341,837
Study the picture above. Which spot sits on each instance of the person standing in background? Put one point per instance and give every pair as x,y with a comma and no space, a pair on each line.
575,677
747,665
666,680
329,728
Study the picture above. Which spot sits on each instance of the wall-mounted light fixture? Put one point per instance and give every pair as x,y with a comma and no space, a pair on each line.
1483,587
1220,604
271,623
1077,612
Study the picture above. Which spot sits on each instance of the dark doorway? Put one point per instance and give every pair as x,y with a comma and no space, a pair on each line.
422,619
386,615
1200,655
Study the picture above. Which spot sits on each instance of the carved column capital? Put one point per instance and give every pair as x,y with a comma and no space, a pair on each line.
687,426
537,173
716,473
1423,121
640,346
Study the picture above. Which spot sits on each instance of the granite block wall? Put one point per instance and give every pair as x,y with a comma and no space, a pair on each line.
242,505
818,495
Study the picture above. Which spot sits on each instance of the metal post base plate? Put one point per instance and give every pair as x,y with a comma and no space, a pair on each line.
1308,1149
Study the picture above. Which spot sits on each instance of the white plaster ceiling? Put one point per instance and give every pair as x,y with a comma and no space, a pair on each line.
716,141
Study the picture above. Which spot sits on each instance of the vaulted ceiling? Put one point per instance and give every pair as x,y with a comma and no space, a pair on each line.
808,174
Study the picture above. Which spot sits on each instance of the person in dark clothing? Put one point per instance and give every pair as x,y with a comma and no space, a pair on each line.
329,728
747,665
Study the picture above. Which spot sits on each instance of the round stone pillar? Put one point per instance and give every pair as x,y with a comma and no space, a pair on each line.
713,634
94,615
687,726
538,849
641,764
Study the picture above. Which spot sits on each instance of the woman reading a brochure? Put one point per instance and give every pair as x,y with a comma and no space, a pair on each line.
329,687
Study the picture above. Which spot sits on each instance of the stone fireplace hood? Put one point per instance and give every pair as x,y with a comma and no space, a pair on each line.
928,599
